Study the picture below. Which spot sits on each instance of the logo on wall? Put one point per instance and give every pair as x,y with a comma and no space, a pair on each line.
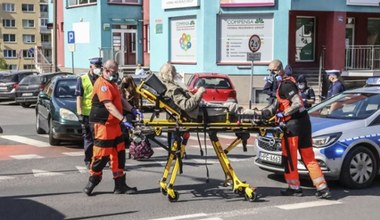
185,41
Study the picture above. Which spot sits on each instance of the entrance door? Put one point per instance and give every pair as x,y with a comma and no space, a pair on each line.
350,32
124,46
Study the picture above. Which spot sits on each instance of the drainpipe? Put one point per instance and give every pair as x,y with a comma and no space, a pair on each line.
321,59
55,35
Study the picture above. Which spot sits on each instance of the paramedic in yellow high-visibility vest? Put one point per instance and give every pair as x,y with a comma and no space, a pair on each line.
83,93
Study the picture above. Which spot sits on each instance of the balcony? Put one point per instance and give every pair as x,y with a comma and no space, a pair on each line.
362,60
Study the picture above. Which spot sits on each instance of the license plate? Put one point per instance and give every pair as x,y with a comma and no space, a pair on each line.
271,158
2,88
27,94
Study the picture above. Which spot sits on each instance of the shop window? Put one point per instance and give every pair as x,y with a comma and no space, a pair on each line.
305,39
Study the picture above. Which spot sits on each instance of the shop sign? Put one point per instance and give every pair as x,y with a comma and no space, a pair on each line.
246,3
169,4
364,2
183,39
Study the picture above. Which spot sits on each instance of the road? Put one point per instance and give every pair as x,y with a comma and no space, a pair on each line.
39,181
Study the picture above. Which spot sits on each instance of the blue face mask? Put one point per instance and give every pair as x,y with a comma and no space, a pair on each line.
114,77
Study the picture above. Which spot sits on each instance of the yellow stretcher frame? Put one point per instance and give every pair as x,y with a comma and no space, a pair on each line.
179,125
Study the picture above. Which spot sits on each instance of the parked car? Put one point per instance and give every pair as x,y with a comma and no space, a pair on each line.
10,80
219,87
56,110
346,143
30,86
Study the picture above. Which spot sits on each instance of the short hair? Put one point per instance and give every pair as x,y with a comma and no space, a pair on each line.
277,63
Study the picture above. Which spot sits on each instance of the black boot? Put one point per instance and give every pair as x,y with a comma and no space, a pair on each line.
323,193
292,192
121,187
92,182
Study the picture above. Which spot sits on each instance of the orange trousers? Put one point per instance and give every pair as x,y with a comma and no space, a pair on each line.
308,158
108,146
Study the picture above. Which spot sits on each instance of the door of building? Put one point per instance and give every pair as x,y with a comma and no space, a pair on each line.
350,34
124,46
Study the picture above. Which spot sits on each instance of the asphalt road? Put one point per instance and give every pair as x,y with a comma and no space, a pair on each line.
39,181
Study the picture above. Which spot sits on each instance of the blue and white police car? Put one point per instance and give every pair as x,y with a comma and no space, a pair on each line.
346,139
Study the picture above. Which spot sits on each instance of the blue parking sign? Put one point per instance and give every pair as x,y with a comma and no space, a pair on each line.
71,37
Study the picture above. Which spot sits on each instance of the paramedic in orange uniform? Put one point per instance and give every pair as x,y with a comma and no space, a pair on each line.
290,111
106,116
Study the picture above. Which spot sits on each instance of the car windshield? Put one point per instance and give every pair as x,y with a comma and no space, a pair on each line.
8,78
65,88
352,106
213,83
31,80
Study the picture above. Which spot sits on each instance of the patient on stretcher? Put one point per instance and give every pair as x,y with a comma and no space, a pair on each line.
189,103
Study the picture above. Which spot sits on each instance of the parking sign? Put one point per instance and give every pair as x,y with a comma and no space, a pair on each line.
71,37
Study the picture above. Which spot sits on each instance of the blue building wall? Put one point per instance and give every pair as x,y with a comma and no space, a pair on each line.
97,15
208,34
330,5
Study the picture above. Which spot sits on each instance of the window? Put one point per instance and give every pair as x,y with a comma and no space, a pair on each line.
27,55
44,22
28,23
373,31
28,66
44,8
9,23
9,7
27,7
45,38
10,53
28,38
305,39
9,38
12,67
81,2
124,1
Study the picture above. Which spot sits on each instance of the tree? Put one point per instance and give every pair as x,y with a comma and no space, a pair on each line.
3,64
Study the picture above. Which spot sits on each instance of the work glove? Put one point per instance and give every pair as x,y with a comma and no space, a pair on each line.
136,112
279,114
127,124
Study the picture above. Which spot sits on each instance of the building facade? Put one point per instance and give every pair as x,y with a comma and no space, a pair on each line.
221,35
24,32
111,29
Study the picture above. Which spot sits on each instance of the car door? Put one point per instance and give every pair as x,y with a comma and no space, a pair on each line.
43,105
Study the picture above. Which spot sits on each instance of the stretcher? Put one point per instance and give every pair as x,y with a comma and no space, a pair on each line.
210,122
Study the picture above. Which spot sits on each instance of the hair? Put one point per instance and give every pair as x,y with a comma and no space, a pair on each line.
276,63
167,72
128,91
111,64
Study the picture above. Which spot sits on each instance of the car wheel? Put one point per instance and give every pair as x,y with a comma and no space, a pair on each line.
39,130
359,168
52,140
25,105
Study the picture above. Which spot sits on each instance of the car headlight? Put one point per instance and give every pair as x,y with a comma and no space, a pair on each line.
67,115
325,140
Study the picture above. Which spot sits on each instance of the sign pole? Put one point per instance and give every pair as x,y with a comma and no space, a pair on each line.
251,86
254,44
72,62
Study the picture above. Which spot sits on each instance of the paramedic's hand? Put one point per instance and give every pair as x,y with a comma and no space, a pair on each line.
136,112
279,115
201,90
127,125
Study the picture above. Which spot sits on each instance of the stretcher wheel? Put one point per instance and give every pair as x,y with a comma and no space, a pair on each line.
250,195
174,198
163,191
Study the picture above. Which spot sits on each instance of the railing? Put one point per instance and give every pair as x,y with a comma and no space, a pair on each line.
363,57
40,61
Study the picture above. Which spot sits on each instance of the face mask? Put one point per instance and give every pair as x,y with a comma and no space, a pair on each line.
301,86
97,71
279,78
114,78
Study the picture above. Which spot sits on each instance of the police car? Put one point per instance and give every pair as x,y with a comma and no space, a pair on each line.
346,139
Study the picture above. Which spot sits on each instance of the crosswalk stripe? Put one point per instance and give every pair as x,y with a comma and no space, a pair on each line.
194,216
82,169
308,204
26,156
25,140
6,177
43,173
74,154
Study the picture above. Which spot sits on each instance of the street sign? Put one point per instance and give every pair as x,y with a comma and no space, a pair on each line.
253,56
254,43
71,37
71,47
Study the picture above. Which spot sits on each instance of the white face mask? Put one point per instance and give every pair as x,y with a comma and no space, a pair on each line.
301,86
97,71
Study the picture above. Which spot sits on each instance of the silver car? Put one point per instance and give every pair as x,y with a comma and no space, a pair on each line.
346,139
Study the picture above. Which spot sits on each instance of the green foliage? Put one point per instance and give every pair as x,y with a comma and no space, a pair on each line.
3,64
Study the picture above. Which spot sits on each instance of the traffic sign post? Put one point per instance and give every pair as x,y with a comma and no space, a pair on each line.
71,44
254,44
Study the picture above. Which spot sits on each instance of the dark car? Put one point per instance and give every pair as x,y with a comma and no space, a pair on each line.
219,87
56,111
9,82
29,87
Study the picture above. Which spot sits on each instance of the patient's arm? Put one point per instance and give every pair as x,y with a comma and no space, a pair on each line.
187,103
